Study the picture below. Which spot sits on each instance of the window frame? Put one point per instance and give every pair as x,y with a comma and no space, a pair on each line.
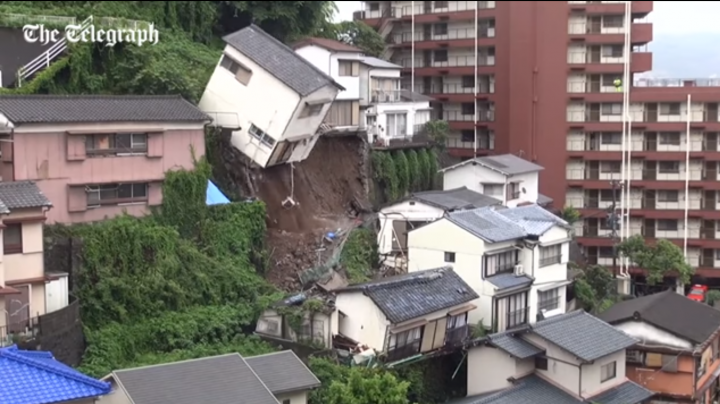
266,140
13,248
440,55
139,142
669,138
606,374
242,73
506,261
449,257
550,259
108,187
663,167
674,227
549,299
310,110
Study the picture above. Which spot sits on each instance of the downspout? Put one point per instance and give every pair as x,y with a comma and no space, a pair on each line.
680,286
412,46
533,129
475,89
580,381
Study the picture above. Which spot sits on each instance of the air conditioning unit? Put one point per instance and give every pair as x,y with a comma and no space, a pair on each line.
519,270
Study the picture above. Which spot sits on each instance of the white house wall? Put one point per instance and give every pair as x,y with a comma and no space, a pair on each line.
489,368
304,128
327,62
265,102
363,321
417,114
528,183
426,250
404,211
474,176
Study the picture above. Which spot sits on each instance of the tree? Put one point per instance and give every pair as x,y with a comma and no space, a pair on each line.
595,289
355,33
659,259
363,387
570,214
438,132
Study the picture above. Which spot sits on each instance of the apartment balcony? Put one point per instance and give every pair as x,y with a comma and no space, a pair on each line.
596,34
675,90
458,92
461,65
643,146
595,178
598,119
429,12
468,146
459,120
450,38
638,9
593,62
417,139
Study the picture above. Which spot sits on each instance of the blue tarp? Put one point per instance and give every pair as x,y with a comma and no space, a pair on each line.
215,196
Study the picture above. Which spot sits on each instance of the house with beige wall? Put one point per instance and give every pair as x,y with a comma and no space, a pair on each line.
515,259
275,378
409,315
97,156
573,358
24,284
677,354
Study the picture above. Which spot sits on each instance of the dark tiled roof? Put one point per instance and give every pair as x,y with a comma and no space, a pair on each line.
583,335
21,195
626,393
409,296
669,311
454,199
329,44
213,380
514,345
509,281
507,164
20,109
279,60
283,372
529,390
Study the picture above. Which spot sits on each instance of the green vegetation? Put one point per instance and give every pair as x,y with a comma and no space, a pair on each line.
400,172
595,289
659,259
360,255
712,297
570,214
358,34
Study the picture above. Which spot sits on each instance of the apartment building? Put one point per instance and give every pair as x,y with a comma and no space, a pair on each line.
554,76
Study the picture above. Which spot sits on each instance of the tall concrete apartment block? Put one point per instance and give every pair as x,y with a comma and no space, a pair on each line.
546,80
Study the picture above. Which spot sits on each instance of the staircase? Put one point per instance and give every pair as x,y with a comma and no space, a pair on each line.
43,61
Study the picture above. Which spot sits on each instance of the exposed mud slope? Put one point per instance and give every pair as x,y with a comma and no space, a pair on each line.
330,191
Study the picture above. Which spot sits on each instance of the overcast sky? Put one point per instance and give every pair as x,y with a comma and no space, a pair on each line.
668,16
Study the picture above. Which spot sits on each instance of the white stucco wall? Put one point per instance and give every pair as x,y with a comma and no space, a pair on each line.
404,211
474,176
363,321
489,368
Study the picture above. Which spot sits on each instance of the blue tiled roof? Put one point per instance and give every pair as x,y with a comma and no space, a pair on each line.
35,377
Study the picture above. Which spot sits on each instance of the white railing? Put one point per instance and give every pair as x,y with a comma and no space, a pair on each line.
123,23
46,19
43,61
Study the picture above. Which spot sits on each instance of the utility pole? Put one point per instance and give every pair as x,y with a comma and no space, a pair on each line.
614,222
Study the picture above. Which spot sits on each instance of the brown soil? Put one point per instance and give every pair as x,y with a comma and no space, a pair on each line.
329,192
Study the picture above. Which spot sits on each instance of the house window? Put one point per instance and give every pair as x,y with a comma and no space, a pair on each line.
671,108
12,238
467,135
312,331
610,167
669,363
286,401
670,138
440,55
494,190
396,125
116,194
669,167
374,6
612,51
550,255
468,81
612,21
440,28
441,4
634,356
667,225
405,338
549,300
449,257
263,137
607,371
242,73
512,311
467,108
513,191
498,263
606,252
611,138
348,68
608,80
668,196
458,321
611,109
311,110
120,144
541,363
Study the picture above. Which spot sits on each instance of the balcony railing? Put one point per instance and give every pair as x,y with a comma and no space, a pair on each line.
456,336
451,61
19,331
581,28
643,146
483,88
547,261
484,142
449,35
383,96
615,116
677,83
418,136
452,6
578,57
517,317
404,351
482,116
639,174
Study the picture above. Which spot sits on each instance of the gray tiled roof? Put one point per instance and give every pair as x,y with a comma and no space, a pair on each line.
487,224
626,393
20,109
529,390
583,335
213,380
379,63
514,345
509,281
454,199
534,219
279,60
669,311
507,164
412,295
544,199
283,372
21,195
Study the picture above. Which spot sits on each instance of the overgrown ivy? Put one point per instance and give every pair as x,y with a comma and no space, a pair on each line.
402,172
359,255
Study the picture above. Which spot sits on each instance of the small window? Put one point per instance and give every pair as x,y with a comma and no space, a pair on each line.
373,7
669,167
671,108
440,28
449,257
550,255
12,238
116,194
669,363
242,73
441,4
468,81
311,110
612,21
608,372
610,167
440,55
494,190
120,144
500,262
549,300
668,196
611,138
467,135
467,108
611,109
670,138
348,68
541,363
612,51
263,137
667,225
606,252
608,80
